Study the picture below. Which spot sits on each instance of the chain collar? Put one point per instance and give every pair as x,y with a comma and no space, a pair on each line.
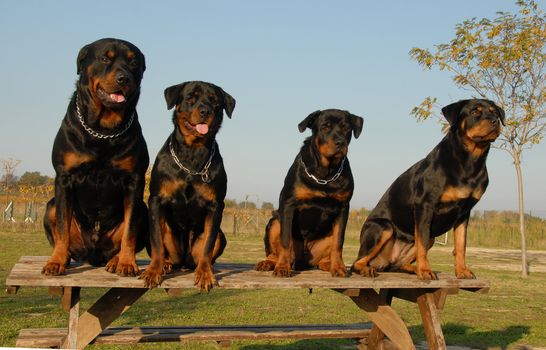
324,182
204,173
99,135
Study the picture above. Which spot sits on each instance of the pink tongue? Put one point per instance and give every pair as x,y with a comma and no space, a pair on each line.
117,97
202,128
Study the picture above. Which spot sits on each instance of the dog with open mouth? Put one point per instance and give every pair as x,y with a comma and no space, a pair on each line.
100,158
188,186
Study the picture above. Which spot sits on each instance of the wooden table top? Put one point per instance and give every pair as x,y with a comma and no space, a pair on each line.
27,272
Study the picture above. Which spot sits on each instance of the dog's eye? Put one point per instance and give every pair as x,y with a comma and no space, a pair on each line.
326,127
476,113
104,59
133,63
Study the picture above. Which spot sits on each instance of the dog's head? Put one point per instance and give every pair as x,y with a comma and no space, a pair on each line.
477,120
332,130
110,73
199,109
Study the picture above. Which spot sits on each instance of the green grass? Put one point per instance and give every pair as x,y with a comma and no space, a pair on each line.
510,315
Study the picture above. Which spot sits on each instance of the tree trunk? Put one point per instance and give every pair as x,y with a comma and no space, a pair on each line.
524,266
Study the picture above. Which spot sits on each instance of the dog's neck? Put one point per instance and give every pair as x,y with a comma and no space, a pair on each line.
195,155
316,163
100,118
458,150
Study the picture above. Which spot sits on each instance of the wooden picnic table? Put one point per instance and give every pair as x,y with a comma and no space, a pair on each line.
372,295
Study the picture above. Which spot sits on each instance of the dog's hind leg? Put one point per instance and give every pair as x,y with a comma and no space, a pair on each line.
373,238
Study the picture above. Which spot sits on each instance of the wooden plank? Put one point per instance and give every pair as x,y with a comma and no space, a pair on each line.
382,315
50,337
73,293
376,340
440,297
101,314
41,338
27,272
12,289
431,322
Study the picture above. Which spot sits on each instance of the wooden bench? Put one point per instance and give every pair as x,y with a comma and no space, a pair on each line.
372,295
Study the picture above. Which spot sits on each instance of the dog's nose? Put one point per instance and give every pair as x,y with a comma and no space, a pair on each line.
204,111
122,78
339,143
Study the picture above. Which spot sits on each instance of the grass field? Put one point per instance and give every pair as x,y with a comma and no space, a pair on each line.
511,315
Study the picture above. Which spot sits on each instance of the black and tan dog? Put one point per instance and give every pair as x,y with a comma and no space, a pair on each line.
100,158
309,227
433,196
188,186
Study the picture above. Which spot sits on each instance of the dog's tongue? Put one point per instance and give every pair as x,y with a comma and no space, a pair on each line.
202,128
117,98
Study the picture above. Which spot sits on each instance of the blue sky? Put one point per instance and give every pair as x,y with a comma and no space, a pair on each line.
281,60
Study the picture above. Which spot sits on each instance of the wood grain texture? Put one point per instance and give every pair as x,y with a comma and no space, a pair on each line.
27,272
51,337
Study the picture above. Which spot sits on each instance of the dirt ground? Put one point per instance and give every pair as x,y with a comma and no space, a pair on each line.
505,259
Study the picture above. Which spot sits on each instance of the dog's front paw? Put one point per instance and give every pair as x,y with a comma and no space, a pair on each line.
152,277
53,268
122,267
265,265
204,279
366,271
426,274
464,273
282,270
338,270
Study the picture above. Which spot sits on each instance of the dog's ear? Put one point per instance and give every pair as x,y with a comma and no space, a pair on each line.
309,121
499,110
451,112
172,95
229,103
143,64
357,124
82,55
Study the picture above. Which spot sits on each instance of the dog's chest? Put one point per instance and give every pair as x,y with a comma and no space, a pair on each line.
187,193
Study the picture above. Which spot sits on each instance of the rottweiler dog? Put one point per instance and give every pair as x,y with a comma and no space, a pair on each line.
433,196
100,158
188,186
308,230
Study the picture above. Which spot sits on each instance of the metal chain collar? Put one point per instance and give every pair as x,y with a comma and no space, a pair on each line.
324,182
99,135
204,173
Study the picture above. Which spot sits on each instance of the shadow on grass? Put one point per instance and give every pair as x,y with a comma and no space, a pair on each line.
166,308
458,334
325,344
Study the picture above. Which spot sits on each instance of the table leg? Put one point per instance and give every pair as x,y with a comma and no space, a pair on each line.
71,299
431,321
384,318
377,337
102,313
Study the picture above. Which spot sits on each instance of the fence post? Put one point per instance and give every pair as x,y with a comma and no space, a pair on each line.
8,213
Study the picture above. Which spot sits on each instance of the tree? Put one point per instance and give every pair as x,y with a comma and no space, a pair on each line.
230,203
8,168
247,205
268,206
33,178
502,59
